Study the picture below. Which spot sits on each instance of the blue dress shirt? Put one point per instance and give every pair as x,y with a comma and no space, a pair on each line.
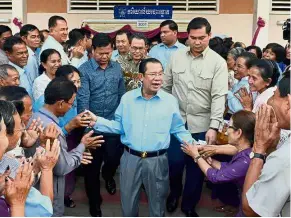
101,89
115,55
63,121
32,65
233,103
163,52
146,125
24,81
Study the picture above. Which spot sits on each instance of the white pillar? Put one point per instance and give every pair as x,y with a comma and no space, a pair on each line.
262,9
19,10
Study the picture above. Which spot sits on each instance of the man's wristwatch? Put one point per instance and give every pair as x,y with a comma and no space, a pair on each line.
258,155
197,158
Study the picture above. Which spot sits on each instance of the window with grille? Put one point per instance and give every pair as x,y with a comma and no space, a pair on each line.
280,6
108,5
5,6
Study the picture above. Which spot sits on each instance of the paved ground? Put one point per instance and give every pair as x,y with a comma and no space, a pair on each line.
111,204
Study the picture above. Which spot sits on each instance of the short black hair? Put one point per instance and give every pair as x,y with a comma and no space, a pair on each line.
144,62
7,110
268,70
26,29
172,25
139,36
279,51
59,89
101,40
13,93
53,21
10,42
121,32
65,70
86,32
75,35
257,48
284,84
4,29
198,23
41,34
248,57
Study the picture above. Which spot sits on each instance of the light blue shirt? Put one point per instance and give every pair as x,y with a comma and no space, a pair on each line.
24,81
50,42
32,66
115,55
163,52
63,121
233,103
146,125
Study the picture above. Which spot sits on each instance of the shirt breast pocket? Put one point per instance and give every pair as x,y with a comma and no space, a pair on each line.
203,82
178,73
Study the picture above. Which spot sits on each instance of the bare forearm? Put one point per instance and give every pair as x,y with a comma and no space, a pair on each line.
69,126
204,166
17,211
46,184
227,149
216,164
252,176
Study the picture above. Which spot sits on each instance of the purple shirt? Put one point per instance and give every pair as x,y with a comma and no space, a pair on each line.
233,171
4,209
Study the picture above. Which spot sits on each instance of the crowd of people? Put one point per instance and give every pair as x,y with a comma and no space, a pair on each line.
153,109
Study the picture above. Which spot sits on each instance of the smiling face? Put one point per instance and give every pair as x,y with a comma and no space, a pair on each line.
256,81
60,31
240,69
52,64
137,49
19,55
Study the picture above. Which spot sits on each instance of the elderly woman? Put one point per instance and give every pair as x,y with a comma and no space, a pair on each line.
241,136
263,77
231,59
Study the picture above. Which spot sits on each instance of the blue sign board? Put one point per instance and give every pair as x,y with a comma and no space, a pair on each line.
143,12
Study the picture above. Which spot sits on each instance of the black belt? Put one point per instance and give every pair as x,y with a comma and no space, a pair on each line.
145,154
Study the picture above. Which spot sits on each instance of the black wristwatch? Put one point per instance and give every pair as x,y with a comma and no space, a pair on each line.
258,155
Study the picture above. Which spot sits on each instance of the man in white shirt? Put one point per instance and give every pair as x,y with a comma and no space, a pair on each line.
30,35
58,34
17,54
266,189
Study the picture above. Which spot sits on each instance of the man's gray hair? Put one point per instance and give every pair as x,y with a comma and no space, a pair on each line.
4,70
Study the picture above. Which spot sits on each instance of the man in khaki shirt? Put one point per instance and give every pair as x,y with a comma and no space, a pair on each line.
198,78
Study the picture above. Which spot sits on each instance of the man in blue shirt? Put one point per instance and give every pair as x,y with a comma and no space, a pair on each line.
102,87
145,119
30,35
17,54
170,43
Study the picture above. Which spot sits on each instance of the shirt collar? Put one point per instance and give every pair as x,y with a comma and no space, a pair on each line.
19,69
96,65
30,51
176,45
53,40
138,94
49,115
203,54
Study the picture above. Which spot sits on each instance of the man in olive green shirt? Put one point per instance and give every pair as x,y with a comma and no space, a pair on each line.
198,78
130,63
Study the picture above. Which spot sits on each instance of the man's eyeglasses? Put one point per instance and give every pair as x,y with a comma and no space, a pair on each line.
153,75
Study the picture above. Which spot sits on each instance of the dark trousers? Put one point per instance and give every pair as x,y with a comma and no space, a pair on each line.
194,176
110,152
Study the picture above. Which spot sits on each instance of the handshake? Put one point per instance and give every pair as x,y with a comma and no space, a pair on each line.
84,119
